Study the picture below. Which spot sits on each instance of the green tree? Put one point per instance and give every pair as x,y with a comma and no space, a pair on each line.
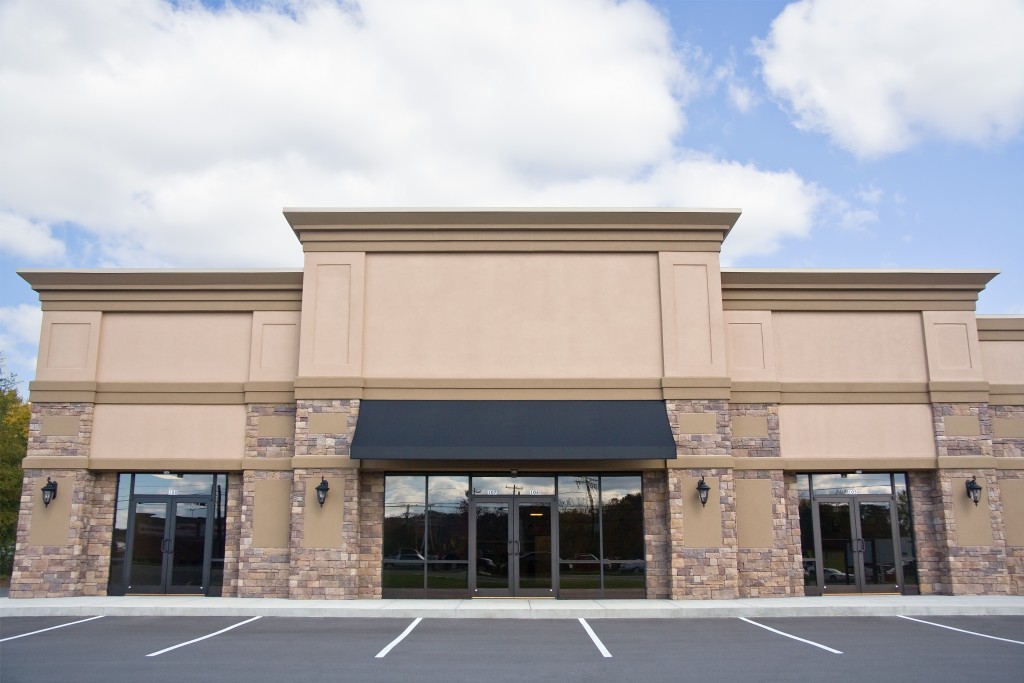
14,417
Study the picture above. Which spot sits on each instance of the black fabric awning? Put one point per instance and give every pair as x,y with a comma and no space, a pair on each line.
513,430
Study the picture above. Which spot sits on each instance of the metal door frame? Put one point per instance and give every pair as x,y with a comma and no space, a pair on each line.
514,590
167,544
860,584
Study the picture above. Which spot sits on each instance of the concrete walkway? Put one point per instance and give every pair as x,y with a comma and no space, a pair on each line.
848,605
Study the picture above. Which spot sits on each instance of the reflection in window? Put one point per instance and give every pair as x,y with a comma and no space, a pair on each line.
803,486
622,516
579,538
404,531
425,543
874,524
150,519
601,537
448,532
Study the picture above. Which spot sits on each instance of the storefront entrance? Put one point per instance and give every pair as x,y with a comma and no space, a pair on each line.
458,535
858,545
856,534
169,534
168,545
513,546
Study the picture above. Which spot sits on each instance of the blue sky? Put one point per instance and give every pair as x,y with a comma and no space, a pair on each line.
146,133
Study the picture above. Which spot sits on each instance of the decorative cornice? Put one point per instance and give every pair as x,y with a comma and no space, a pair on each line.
852,290
483,230
167,290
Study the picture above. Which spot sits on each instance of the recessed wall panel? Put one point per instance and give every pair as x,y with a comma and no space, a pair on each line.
68,346
175,347
868,432
168,431
512,316
849,347
333,304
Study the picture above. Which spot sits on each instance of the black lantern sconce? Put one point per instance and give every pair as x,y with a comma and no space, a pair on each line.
974,490
321,491
702,491
49,492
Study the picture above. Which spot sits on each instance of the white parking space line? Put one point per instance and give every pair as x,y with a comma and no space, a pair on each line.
383,653
960,630
196,640
44,630
593,637
802,640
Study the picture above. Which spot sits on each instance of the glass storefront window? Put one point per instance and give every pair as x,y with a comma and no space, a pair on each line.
858,537
579,538
426,539
507,485
622,523
852,484
448,532
404,540
185,511
803,485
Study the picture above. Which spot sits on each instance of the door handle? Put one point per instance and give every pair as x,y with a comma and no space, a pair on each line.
859,548
166,545
517,547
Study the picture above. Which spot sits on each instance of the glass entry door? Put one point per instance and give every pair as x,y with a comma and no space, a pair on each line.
857,545
169,544
512,547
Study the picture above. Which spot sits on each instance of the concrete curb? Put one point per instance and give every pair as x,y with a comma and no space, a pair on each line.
833,606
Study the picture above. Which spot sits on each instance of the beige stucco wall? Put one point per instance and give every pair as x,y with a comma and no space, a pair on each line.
168,431
849,347
1003,361
512,315
175,347
868,431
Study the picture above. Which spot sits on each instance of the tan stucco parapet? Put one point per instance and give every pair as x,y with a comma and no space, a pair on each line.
166,290
852,290
592,230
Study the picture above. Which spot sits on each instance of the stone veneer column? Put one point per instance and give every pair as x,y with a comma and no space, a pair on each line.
371,534
793,532
79,565
1010,447
232,535
701,573
973,570
262,572
656,534
778,570
928,520
325,572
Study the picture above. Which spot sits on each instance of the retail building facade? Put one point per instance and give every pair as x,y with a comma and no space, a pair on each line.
555,403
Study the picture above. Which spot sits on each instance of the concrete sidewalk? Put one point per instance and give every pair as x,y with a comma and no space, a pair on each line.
847,605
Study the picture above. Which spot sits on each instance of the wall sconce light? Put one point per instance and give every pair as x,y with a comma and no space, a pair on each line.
321,491
974,490
49,492
702,491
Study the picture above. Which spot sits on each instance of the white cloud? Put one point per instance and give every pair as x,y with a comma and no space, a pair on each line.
871,194
28,239
878,76
19,339
175,136
740,96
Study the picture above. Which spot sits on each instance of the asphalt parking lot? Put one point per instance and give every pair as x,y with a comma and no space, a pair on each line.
255,649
